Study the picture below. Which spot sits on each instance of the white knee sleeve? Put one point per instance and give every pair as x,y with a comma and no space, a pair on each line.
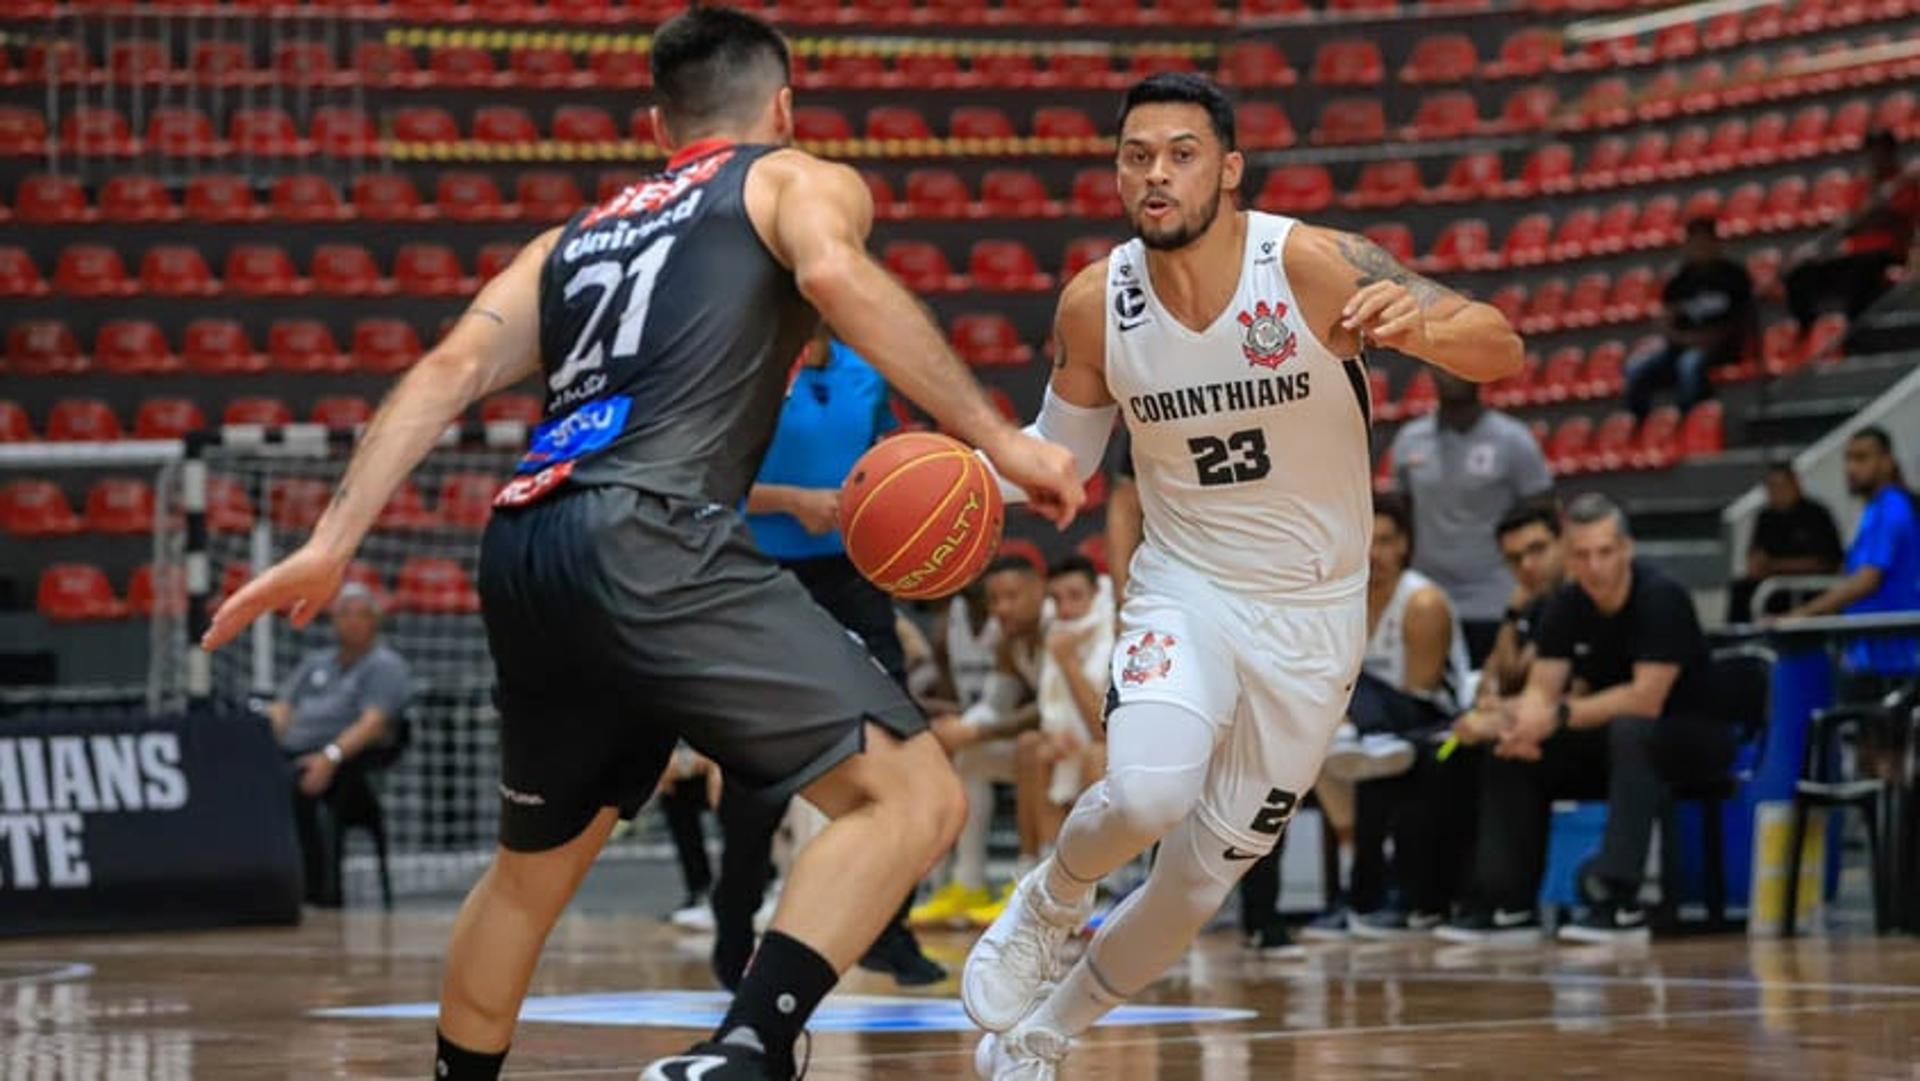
1157,758
1191,878
1150,801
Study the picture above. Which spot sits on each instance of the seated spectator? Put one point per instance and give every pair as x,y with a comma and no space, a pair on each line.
338,704
982,739
1529,539
1619,703
1793,535
966,645
1462,466
1067,752
1874,239
1407,693
1708,316
688,789
1882,569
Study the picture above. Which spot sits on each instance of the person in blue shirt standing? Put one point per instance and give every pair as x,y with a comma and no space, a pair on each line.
836,408
1882,568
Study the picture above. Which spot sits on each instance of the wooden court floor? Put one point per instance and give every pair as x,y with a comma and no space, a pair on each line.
240,1005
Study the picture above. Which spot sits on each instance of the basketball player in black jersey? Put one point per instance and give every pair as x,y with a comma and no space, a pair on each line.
625,605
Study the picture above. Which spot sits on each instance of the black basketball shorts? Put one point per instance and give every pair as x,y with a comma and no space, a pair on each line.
621,622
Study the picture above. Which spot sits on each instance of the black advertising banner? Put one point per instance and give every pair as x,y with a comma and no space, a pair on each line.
117,822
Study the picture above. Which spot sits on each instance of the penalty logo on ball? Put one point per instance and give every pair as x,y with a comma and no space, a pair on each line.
965,521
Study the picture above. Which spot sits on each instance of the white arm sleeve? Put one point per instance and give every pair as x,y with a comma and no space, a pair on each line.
1080,429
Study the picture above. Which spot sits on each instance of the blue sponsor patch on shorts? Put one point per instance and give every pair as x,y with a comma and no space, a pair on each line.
576,435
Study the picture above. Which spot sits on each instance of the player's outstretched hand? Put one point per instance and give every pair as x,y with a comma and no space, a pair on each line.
1047,472
300,585
1387,313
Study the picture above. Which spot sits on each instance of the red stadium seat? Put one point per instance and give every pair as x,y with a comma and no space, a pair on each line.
545,66
584,124
19,276
462,65
134,347
42,200
346,270
425,124
432,585
1448,115
77,593
91,270
1463,244
1546,306
36,508
1150,61
1567,447
1062,122
1442,58
43,347
22,130
980,122
1296,189
254,409
1083,252
1396,238
897,122
229,508
885,205
1383,184
1510,300
344,133
176,270
929,71
511,409
92,130
150,594
1825,339
464,195
1657,444
1471,176
1605,103
14,425
262,270
492,259
220,347
1834,193
1612,445
1586,304
295,503
1635,295
1255,64
465,500
1095,194
220,62
1015,193
265,131
1549,169
406,509
861,71
1348,121
1013,71
430,270
1263,126
618,69
221,198
1528,241
1006,266
304,346
1604,375
1529,108
1658,224
167,418
301,62
988,339
120,505
1516,389
938,193
384,345
1079,70
1703,433
547,196
818,124
504,124
132,198
82,420
306,198
380,63
386,197
1348,62
1763,266
922,267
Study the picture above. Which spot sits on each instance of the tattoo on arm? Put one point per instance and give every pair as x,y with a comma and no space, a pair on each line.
1375,265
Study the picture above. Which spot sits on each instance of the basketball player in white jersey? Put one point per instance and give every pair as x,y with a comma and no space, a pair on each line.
1230,341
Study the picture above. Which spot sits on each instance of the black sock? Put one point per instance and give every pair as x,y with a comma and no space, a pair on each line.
781,989
451,1062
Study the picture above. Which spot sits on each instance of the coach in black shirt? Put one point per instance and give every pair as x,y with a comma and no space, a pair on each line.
1618,702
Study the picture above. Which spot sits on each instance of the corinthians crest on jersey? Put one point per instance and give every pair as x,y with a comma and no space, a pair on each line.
1269,342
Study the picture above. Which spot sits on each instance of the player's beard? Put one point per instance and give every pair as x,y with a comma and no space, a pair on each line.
1183,232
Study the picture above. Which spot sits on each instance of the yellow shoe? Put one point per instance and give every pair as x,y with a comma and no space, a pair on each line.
948,905
984,914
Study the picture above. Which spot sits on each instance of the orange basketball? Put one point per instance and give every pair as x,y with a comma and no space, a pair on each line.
921,515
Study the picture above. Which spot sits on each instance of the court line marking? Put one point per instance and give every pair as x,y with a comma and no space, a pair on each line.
61,973
1651,982
1217,1035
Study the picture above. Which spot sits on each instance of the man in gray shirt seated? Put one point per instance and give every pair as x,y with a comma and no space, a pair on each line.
338,704
1462,466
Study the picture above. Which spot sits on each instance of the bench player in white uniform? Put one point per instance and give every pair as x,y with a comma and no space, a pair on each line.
1230,342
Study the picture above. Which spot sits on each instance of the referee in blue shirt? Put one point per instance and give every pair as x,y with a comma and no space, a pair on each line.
836,408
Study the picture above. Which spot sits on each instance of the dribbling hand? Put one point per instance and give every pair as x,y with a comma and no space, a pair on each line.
300,585
1046,470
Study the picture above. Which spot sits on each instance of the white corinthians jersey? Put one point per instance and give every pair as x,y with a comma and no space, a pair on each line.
1250,439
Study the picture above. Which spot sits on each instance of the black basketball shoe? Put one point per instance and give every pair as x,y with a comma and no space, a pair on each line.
738,1057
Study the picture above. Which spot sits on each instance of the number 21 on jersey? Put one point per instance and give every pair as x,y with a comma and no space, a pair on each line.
605,277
